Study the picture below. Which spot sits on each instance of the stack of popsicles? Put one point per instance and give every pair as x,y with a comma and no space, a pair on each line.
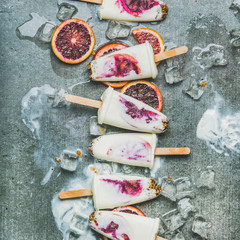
120,110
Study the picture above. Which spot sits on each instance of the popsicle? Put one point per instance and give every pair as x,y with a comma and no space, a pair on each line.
124,226
110,191
136,149
132,11
130,63
120,110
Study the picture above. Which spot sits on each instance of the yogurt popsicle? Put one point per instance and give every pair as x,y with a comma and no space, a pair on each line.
124,226
135,62
128,148
133,11
120,110
136,149
126,112
110,191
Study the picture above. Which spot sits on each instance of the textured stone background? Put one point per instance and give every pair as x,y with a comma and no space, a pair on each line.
25,207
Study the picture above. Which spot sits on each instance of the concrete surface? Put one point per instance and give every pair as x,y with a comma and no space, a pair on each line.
26,205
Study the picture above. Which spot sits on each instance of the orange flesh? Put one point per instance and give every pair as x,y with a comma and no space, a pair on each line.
109,48
144,91
73,41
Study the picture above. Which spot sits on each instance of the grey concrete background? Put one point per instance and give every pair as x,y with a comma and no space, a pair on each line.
25,207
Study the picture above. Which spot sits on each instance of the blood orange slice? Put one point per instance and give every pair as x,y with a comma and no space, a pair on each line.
144,91
154,38
127,209
107,49
73,41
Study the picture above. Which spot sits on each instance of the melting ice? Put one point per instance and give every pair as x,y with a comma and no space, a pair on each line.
71,216
212,55
221,131
37,27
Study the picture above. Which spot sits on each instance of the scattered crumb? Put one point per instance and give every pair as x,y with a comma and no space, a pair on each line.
58,159
79,154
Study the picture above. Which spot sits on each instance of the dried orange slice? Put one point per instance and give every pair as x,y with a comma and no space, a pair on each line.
154,38
107,49
73,41
127,209
144,91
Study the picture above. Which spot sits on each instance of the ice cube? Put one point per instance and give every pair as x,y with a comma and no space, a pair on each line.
66,11
173,220
212,55
201,226
30,28
175,236
174,71
184,188
117,30
168,188
235,37
69,161
206,178
235,5
178,236
196,89
162,228
71,236
173,75
59,99
79,224
46,32
95,128
185,207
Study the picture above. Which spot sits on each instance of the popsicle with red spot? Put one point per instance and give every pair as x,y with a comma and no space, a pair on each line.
137,149
131,10
137,62
110,191
124,226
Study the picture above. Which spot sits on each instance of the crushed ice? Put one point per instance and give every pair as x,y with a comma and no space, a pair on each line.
235,37
212,55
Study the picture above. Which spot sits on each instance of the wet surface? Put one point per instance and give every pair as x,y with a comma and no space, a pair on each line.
201,191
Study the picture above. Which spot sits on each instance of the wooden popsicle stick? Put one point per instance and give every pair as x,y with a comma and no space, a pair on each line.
75,193
160,238
92,1
83,101
172,151
171,53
